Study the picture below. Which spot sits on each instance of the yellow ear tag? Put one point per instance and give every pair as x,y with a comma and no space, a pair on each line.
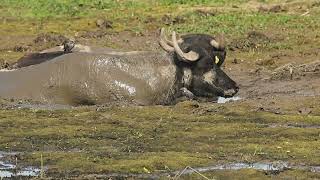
216,60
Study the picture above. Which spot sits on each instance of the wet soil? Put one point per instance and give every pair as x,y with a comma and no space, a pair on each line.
10,167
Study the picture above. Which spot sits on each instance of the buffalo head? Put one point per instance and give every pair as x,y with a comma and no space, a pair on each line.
200,57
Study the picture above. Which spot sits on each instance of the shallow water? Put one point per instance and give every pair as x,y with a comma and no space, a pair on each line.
8,169
274,166
262,166
269,167
305,126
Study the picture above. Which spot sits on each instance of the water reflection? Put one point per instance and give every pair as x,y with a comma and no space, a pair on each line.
8,169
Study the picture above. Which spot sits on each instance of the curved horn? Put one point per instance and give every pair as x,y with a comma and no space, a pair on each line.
190,56
163,42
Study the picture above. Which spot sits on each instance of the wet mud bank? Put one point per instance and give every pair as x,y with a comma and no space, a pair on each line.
270,168
9,169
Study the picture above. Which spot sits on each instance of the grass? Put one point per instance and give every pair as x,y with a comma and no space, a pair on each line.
139,16
59,8
153,138
74,8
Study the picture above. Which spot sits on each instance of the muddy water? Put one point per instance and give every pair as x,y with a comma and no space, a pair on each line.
10,170
305,126
264,166
261,166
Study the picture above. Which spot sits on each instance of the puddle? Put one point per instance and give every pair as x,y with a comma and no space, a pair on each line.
9,170
225,100
305,126
269,167
23,173
275,166
43,107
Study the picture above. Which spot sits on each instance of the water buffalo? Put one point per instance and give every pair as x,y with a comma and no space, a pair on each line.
68,46
187,67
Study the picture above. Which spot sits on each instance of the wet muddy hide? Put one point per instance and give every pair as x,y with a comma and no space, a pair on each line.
49,54
36,58
79,78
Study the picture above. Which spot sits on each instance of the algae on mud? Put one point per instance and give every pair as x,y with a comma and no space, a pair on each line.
132,139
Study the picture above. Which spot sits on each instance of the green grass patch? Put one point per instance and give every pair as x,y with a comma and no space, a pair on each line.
62,8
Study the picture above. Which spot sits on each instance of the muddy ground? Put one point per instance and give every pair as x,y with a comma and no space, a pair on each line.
276,62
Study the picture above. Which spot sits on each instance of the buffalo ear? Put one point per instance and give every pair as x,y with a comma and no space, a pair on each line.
218,42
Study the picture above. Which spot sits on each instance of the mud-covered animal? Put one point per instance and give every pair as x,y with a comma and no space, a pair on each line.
68,47
187,68
37,58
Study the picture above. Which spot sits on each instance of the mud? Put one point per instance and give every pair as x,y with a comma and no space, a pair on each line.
254,40
293,6
304,126
272,8
47,39
171,20
103,24
273,167
291,71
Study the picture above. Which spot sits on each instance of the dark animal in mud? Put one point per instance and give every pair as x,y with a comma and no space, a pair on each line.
199,43
186,68
49,54
37,58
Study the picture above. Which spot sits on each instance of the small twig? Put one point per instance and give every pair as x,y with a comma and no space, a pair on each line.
179,173
177,176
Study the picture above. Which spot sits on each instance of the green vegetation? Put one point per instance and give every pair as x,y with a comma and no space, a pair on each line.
59,8
72,8
139,16
156,138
